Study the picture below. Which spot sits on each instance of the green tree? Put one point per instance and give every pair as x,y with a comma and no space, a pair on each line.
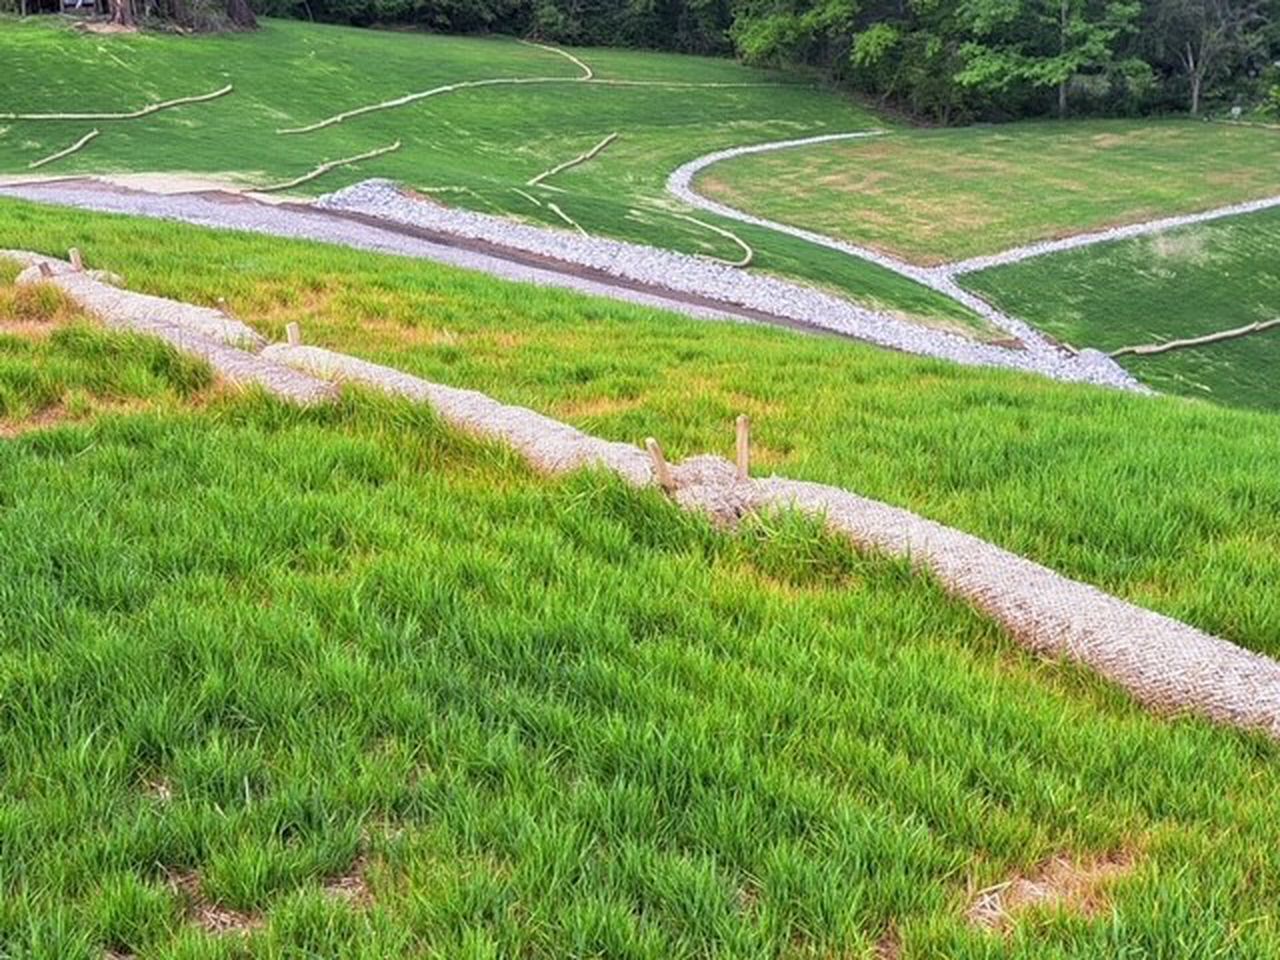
1042,43
1206,39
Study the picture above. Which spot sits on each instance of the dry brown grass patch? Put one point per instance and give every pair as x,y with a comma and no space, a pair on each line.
599,406
41,420
1059,883
888,947
36,305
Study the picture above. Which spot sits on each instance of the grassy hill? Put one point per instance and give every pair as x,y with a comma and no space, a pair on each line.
1183,517
344,683
1184,283
475,145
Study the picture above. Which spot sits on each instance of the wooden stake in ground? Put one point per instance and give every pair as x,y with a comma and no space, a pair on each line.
1151,349
77,262
661,469
744,447
293,334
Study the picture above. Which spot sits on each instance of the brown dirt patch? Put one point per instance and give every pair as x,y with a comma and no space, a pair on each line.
48,417
888,947
351,887
1060,883
207,915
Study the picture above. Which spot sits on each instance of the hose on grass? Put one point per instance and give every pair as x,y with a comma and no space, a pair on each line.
747,253
327,166
587,72
63,153
1151,349
567,219
132,115
588,76
569,164
528,196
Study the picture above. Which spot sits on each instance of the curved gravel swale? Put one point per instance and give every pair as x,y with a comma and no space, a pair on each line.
680,185
648,266
705,277
1111,234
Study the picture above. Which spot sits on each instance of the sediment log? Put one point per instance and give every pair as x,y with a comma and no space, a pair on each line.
548,444
1165,664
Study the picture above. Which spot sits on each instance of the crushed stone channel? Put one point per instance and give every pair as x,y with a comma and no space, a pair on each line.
696,286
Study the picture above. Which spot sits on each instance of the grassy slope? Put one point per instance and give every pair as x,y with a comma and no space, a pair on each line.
1171,503
555,719
486,140
940,195
56,364
1185,283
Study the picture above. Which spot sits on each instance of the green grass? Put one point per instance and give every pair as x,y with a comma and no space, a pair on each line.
551,718
1182,516
1180,284
940,195
54,363
484,141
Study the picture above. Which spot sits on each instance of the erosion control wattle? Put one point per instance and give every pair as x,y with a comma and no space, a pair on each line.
1168,665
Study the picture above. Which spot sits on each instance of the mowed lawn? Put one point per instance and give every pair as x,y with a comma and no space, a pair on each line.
1176,285
345,683
474,148
933,196
1181,515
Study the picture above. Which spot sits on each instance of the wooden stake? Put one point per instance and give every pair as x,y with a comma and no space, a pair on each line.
744,447
77,262
660,468
293,333
45,269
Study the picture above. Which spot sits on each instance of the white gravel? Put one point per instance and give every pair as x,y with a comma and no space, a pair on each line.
680,273
1107,236
253,216
708,278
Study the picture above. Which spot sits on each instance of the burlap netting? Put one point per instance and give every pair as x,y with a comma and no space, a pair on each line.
1164,663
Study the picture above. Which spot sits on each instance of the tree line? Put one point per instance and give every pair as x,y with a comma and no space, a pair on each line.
947,61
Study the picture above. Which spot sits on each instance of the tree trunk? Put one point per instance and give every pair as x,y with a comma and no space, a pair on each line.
241,14
1064,22
122,12
1195,95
